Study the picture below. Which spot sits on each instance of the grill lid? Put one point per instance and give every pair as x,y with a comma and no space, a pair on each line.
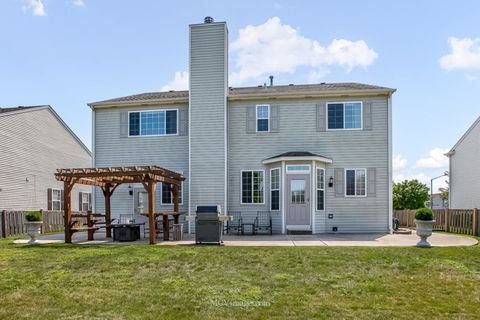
207,209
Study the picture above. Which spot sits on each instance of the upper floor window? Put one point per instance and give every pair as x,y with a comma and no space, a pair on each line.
153,123
356,185
346,115
252,187
263,117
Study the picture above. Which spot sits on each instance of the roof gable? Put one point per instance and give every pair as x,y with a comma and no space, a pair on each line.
465,135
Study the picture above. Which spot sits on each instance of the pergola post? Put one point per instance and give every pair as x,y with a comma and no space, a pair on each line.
151,187
67,207
175,203
108,215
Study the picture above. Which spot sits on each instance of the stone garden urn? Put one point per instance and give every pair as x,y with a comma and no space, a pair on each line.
424,220
33,230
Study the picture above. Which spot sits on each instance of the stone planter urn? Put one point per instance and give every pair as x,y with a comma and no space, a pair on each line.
33,230
424,230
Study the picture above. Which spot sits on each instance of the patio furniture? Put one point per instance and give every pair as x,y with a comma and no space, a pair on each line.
178,232
236,222
263,221
208,227
126,232
249,224
166,221
131,219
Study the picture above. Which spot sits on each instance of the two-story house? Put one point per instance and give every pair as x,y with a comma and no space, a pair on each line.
317,156
34,143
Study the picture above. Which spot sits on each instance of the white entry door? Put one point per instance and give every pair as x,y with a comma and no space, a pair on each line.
298,201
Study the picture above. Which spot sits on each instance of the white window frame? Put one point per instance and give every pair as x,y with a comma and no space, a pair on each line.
59,201
295,171
319,189
347,129
279,188
257,118
153,135
88,200
170,203
366,183
241,187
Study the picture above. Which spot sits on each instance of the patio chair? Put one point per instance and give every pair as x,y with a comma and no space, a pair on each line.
263,221
235,224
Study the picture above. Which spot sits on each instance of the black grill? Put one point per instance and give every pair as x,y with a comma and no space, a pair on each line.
208,228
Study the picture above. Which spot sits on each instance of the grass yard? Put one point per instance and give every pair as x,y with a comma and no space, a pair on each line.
145,282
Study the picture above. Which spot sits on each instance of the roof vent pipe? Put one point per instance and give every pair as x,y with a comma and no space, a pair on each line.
208,20
271,81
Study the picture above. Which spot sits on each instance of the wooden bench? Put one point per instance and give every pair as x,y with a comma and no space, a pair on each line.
91,225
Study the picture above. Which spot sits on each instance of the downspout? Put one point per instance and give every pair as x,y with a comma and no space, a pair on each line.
93,159
390,175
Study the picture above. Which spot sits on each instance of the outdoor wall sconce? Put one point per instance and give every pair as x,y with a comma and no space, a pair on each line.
130,190
330,182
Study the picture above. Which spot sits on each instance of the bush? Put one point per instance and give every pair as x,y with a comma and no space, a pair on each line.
425,214
33,216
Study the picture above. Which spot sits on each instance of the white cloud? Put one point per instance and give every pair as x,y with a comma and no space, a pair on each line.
275,48
465,54
471,77
179,82
423,178
78,3
36,6
399,162
436,159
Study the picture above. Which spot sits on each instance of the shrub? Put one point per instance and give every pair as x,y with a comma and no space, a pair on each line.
33,216
424,214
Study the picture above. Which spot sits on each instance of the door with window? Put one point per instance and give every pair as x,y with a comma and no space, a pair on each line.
298,200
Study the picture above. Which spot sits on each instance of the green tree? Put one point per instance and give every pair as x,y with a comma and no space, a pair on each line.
410,194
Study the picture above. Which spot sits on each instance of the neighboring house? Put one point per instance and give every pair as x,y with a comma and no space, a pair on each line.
438,202
464,172
34,143
318,157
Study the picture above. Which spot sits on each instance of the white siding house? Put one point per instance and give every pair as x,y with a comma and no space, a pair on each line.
316,156
465,170
34,143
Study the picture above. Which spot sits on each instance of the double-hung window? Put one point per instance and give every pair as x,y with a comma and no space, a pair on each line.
344,116
320,189
252,187
275,189
153,123
167,194
263,118
56,199
85,201
355,182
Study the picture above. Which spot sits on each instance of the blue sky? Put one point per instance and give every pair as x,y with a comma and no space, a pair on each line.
69,52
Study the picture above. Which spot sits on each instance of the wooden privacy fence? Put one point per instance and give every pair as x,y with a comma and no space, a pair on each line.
12,223
462,221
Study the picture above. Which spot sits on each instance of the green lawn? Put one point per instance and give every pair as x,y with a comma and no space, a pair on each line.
146,282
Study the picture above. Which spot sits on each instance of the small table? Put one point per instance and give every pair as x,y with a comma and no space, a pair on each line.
166,231
126,232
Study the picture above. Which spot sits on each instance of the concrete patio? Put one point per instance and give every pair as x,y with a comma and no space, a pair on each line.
320,240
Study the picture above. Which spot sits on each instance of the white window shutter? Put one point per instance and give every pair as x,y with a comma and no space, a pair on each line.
123,124
251,120
339,182
274,119
367,116
371,182
321,117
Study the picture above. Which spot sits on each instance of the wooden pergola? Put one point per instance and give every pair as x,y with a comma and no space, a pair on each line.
108,179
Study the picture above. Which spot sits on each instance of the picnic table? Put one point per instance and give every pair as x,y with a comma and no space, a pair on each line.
165,215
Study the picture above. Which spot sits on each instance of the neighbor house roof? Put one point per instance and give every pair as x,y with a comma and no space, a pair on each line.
452,151
306,90
21,109
297,155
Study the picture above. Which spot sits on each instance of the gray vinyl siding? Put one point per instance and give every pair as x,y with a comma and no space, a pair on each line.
33,145
465,172
298,132
113,150
208,85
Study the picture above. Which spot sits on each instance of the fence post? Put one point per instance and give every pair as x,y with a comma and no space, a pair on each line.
447,224
3,233
475,222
